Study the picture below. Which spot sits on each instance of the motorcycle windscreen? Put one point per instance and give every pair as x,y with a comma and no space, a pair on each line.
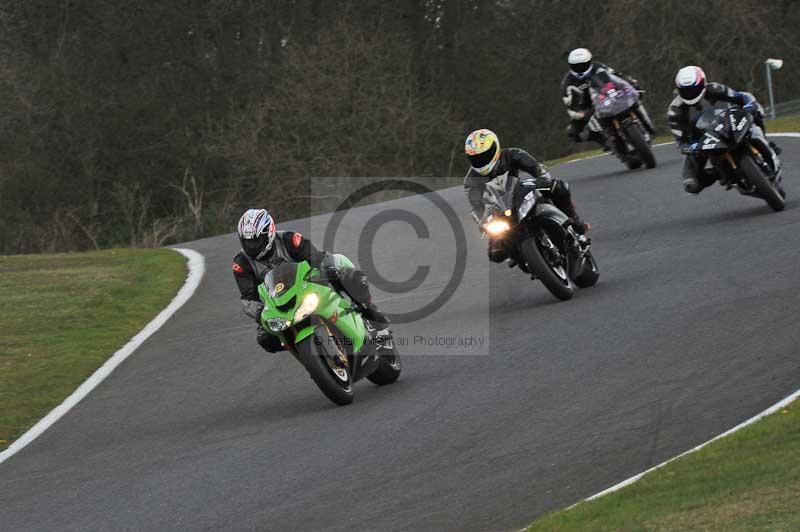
710,118
496,192
281,278
614,97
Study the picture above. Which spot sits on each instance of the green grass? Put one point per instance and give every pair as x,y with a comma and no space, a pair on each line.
63,315
747,481
784,124
779,125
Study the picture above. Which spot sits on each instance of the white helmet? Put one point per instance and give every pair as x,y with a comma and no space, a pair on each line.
256,233
580,62
691,84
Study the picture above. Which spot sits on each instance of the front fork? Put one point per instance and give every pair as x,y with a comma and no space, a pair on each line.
733,167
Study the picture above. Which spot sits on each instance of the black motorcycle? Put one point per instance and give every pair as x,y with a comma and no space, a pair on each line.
615,101
739,152
536,236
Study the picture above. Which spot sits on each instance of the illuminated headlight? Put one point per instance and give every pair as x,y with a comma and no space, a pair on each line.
278,324
308,306
527,204
496,227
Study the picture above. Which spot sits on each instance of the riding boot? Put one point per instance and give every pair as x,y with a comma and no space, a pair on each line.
695,184
598,137
375,317
641,112
580,226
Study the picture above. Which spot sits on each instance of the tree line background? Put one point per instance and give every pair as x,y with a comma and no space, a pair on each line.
145,122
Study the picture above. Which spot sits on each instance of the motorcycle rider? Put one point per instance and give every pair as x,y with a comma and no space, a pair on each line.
263,248
578,100
488,161
693,96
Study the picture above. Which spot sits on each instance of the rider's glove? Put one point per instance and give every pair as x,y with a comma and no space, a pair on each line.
752,106
688,148
329,267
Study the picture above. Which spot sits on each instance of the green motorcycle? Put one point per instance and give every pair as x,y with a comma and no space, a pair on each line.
324,331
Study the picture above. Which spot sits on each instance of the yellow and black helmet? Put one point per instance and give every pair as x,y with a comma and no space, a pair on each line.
483,150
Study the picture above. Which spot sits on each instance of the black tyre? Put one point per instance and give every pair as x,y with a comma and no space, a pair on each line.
643,149
389,367
756,176
633,163
554,279
321,355
590,273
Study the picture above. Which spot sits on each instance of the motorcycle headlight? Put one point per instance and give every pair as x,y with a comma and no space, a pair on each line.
497,227
278,324
527,204
308,306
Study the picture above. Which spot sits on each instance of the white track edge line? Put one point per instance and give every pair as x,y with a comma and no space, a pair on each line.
196,266
771,410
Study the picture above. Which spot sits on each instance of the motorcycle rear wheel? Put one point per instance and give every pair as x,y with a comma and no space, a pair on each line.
388,370
755,175
559,284
590,273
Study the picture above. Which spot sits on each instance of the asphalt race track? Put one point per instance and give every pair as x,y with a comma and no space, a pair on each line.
692,329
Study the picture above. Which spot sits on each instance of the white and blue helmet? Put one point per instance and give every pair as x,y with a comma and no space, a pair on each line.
256,232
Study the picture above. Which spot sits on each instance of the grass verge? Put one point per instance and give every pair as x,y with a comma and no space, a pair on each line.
63,315
779,125
784,124
749,480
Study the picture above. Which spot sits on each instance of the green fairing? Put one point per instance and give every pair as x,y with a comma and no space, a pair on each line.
350,324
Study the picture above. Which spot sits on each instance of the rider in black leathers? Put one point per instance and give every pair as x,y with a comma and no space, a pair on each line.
693,96
583,71
263,248
482,147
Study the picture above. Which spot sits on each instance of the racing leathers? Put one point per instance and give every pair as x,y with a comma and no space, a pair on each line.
290,246
681,118
512,160
578,100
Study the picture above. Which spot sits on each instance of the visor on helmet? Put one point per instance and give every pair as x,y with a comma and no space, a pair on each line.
580,68
692,93
254,246
479,160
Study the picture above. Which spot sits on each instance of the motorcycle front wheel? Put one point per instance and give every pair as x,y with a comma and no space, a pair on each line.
326,363
554,278
755,176
643,149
